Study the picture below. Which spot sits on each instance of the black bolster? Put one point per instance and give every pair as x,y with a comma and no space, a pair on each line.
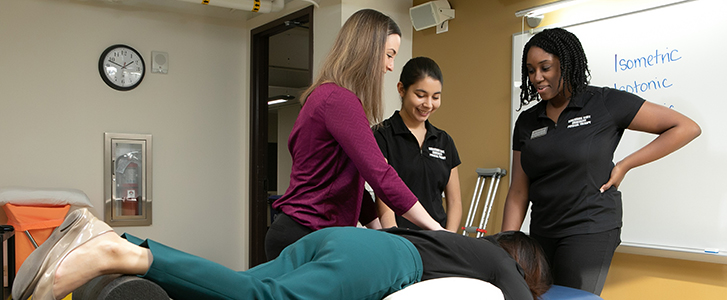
117,287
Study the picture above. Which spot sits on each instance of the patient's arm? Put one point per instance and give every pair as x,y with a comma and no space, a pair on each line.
387,216
375,224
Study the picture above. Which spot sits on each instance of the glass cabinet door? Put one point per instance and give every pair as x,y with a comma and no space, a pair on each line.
128,182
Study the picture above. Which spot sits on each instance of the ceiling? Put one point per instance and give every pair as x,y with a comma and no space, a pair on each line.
175,6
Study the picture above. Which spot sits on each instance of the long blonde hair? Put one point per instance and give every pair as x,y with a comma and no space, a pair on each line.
356,60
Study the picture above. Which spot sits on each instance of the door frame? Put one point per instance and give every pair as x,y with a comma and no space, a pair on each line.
259,56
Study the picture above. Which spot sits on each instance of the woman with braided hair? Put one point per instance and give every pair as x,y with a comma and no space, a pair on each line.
563,151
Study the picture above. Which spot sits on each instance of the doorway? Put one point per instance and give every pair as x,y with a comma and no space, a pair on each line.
281,65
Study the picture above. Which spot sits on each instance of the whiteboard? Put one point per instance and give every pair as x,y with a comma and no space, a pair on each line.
676,206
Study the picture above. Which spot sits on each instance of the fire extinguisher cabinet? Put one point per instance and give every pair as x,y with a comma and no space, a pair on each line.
127,165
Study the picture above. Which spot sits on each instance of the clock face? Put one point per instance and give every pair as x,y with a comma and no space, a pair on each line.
121,67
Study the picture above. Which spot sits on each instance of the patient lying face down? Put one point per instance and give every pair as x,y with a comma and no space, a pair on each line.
331,263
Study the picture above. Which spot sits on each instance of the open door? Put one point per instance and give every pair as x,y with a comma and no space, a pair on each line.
259,87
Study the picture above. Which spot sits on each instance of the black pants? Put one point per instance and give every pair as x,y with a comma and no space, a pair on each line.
283,232
581,261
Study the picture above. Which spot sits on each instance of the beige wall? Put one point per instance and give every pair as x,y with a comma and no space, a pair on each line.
54,110
475,57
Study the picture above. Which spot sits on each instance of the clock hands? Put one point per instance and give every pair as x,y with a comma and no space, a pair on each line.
124,66
113,62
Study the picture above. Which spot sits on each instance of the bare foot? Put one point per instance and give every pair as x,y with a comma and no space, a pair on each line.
107,253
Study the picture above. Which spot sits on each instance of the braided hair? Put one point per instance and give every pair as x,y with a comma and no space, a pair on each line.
573,63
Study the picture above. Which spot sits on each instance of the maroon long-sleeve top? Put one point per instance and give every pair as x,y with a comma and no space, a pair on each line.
334,152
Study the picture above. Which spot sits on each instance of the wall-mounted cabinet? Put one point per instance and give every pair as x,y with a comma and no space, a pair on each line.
127,179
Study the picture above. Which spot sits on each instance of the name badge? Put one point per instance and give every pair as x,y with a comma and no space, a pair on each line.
437,153
579,121
538,132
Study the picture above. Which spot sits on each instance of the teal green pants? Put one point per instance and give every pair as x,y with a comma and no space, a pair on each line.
332,263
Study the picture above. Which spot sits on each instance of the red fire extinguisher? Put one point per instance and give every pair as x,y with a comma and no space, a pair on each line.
128,177
130,190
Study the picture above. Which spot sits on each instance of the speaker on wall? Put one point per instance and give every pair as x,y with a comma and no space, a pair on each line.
430,14
159,62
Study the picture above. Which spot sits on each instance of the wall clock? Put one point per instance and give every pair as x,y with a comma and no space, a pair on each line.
121,67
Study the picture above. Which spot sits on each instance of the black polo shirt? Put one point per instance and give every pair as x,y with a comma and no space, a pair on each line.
425,170
568,162
447,254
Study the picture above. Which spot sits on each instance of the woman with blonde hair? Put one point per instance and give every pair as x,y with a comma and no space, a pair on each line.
333,148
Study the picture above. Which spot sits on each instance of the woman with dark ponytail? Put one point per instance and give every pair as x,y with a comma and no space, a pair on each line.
424,156
563,151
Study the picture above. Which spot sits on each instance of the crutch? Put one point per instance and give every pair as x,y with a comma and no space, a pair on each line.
482,174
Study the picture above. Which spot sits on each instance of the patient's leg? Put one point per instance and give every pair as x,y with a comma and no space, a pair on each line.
106,254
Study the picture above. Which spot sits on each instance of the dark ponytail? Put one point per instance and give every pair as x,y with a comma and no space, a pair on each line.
528,253
419,68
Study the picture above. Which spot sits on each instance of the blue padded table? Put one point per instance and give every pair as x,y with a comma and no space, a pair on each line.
558,292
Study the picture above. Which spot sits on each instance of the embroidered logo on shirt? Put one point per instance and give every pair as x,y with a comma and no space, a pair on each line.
436,153
538,132
579,121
